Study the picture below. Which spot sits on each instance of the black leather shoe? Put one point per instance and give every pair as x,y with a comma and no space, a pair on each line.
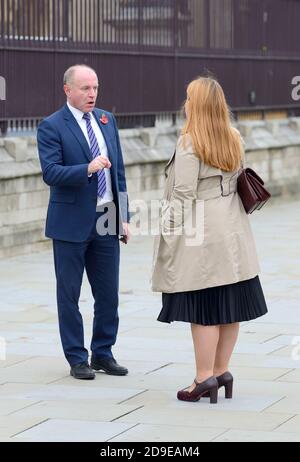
82,371
108,365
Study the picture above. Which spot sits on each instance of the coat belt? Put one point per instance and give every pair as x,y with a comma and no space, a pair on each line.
224,189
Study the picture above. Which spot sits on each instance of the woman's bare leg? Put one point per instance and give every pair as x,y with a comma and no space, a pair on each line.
205,340
227,340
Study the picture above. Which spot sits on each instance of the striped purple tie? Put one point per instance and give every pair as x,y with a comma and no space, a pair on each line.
95,152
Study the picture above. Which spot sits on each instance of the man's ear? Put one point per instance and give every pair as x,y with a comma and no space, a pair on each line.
67,90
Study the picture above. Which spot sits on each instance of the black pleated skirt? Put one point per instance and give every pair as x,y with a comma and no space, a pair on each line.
241,301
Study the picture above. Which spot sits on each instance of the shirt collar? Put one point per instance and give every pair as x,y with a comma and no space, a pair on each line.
76,112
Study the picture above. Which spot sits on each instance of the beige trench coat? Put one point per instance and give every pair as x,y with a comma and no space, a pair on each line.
205,237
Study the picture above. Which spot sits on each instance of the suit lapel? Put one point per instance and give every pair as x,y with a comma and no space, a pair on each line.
77,132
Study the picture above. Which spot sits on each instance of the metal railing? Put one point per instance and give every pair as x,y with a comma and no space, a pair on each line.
145,52
186,24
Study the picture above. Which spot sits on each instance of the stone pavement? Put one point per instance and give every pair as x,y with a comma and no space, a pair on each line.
39,401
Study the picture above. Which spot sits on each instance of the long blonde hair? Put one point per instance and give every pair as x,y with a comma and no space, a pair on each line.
208,122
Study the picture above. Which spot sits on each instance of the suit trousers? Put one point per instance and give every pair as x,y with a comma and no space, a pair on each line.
100,257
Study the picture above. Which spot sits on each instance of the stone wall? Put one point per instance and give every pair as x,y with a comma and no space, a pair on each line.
272,149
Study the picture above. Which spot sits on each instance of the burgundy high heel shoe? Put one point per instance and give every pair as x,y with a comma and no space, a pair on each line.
209,386
224,380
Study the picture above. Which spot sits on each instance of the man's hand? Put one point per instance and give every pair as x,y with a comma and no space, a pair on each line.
126,234
97,164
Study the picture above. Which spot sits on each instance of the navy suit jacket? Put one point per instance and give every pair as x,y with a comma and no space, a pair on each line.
64,155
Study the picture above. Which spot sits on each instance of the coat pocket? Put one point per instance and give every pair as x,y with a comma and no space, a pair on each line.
65,198
171,217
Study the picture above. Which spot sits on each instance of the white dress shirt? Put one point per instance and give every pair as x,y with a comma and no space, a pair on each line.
108,196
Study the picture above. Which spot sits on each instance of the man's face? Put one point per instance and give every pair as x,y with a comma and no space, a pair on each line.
82,91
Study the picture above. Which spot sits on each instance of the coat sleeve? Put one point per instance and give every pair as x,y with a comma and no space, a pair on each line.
187,167
51,159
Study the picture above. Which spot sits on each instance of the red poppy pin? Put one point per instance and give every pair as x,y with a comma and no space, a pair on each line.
104,119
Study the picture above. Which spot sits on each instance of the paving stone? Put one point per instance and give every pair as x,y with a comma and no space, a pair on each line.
55,392
259,436
291,376
194,416
10,406
244,401
40,401
167,433
35,370
73,430
290,426
11,425
94,410
288,404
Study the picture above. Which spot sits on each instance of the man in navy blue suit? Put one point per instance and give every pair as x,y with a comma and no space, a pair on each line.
81,160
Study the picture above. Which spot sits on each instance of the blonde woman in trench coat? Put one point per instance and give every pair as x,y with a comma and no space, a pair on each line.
205,262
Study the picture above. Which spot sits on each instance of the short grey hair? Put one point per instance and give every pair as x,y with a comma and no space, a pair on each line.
69,74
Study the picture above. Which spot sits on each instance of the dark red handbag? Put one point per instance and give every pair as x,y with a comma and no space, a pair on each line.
251,191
